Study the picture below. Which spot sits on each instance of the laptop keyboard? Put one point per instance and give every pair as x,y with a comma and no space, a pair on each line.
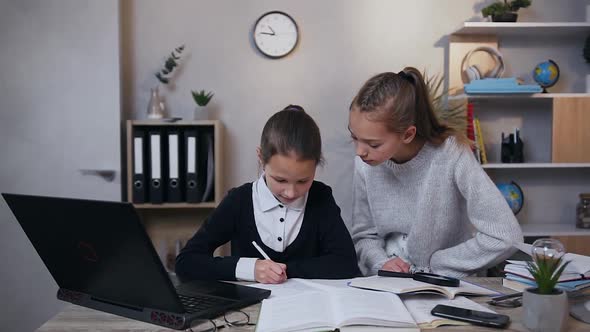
196,303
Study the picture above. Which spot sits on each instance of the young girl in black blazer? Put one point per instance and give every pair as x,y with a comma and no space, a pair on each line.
293,218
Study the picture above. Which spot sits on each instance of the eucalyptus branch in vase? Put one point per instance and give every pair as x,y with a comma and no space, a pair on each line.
164,76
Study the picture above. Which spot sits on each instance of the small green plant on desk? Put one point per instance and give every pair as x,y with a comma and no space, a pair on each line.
546,307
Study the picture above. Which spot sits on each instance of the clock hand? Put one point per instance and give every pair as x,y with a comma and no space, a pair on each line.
267,33
273,32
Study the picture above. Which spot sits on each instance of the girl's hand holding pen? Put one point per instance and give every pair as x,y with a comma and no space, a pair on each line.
269,272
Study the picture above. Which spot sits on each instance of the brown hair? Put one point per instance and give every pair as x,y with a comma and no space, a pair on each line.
400,101
291,130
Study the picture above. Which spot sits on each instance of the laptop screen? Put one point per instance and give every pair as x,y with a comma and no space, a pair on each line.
98,248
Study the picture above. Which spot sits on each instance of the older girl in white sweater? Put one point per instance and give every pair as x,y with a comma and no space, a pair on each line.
421,200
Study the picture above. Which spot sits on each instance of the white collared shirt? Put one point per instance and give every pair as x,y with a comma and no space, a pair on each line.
278,224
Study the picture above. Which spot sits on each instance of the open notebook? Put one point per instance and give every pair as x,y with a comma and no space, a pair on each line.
301,304
408,285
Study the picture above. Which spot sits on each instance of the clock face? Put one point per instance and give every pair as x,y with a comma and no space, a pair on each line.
275,34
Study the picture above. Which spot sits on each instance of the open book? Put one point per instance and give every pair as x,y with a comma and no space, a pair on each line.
328,310
303,304
408,285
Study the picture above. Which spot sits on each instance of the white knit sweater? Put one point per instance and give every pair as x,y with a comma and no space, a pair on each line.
456,220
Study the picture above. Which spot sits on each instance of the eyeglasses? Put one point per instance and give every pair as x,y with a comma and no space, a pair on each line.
507,301
237,319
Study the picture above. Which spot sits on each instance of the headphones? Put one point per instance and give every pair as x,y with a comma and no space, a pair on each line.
473,73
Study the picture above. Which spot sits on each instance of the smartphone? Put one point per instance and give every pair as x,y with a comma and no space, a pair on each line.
472,316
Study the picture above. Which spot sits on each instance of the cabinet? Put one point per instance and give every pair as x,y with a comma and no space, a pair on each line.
555,127
169,225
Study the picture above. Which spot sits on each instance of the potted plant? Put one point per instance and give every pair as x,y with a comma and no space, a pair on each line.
202,98
164,76
505,11
546,307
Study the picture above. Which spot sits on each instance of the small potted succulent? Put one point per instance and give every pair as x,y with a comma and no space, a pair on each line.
505,11
202,98
546,307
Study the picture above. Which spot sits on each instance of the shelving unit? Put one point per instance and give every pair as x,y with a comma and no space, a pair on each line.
555,128
548,29
217,128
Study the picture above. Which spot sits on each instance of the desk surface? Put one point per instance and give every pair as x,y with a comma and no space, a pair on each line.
76,318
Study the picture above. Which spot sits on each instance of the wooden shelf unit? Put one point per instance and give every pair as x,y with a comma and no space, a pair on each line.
218,143
555,129
545,29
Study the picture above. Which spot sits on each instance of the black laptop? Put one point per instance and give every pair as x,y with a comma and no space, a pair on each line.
101,257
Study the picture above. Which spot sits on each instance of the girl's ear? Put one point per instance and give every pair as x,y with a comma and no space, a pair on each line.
409,134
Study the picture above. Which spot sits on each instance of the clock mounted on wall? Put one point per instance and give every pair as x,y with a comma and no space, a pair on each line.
276,34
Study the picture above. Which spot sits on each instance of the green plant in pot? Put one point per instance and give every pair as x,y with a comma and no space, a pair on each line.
202,98
546,307
505,11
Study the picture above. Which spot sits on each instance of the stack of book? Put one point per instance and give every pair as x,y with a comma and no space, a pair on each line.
574,278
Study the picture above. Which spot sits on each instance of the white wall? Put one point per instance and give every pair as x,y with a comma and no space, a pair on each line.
59,114
342,44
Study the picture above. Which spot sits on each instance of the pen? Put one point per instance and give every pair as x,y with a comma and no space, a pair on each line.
260,250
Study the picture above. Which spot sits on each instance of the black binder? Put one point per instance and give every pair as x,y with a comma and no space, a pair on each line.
208,165
139,193
174,163
194,182
156,192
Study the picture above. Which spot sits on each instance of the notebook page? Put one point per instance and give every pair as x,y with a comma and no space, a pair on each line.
304,311
362,307
288,288
420,306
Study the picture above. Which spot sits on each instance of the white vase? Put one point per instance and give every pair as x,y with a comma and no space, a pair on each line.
544,313
155,106
201,113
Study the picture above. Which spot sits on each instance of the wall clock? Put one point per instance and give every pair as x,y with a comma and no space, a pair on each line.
276,34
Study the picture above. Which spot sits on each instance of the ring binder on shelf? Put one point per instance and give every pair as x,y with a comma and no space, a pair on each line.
194,190
210,168
156,192
139,176
174,187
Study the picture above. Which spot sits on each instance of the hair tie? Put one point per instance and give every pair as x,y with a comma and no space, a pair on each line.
406,77
293,108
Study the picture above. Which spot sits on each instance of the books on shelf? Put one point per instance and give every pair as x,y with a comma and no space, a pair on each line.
408,285
500,85
475,135
301,304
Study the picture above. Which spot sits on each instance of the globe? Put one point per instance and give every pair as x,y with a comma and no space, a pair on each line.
513,195
546,74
